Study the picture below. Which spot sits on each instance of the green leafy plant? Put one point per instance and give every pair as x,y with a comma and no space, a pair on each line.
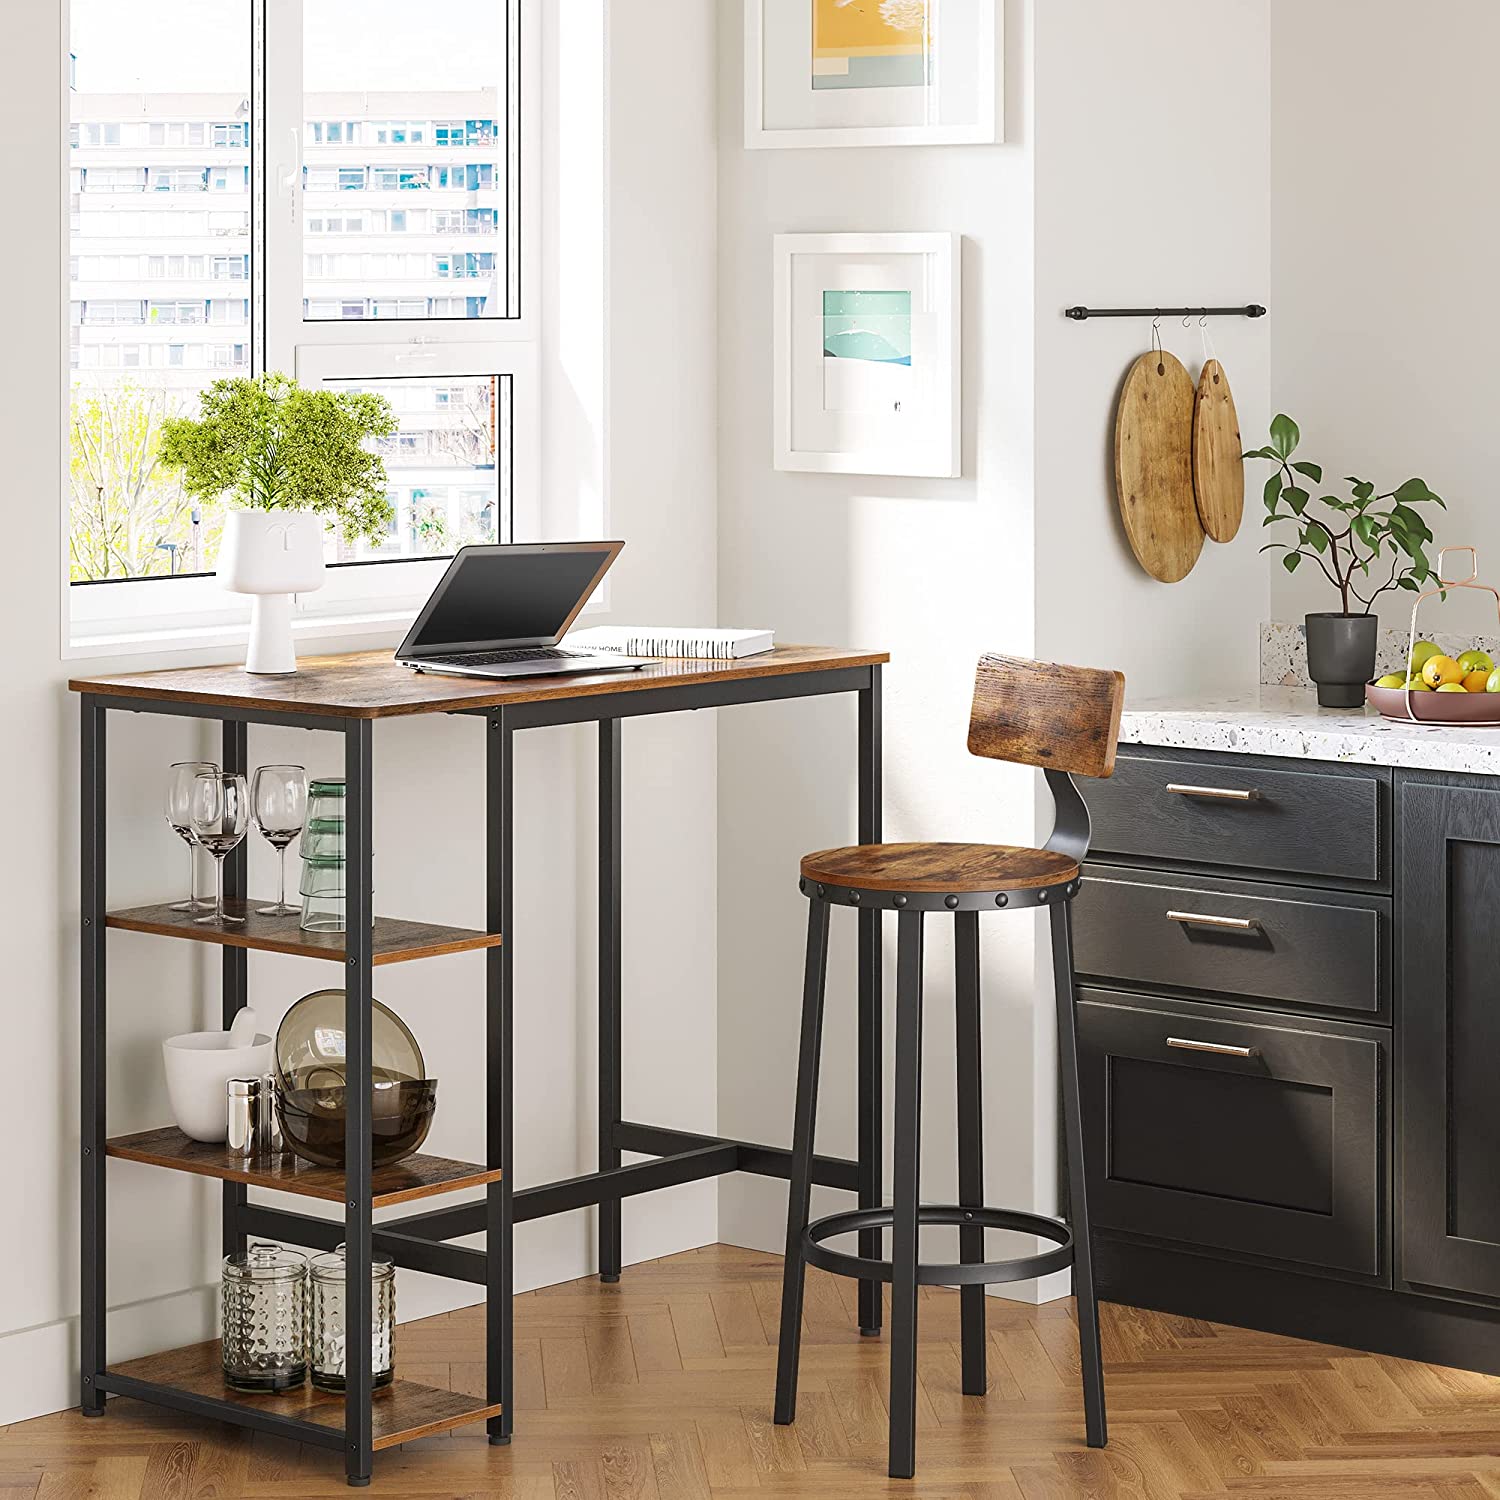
271,444
1350,537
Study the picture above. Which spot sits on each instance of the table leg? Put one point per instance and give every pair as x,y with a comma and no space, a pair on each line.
358,913
499,1030
609,988
235,986
871,1005
91,1079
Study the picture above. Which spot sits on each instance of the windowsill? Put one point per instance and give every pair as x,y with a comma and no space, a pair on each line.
330,631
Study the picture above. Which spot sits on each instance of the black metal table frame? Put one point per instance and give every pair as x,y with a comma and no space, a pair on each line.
419,1241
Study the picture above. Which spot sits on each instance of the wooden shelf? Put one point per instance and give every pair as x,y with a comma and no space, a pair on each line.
395,941
400,1413
417,1177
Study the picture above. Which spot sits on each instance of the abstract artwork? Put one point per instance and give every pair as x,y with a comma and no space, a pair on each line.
866,350
871,44
866,368
874,72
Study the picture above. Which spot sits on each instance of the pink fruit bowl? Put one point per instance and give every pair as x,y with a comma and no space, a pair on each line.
1476,710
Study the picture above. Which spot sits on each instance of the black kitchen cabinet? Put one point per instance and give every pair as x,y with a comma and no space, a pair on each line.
1336,1174
1234,1129
1449,1036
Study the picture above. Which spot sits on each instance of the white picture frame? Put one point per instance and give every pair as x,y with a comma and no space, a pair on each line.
961,105
871,410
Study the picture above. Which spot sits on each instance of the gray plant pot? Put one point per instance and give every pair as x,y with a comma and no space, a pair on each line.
1341,657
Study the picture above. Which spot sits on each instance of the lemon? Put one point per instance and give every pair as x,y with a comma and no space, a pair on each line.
1391,680
1415,684
1476,681
1452,687
1475,660
1437,670
1419,654
1493,685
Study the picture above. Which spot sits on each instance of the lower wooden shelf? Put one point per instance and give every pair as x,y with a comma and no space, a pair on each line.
417,1177
400,1413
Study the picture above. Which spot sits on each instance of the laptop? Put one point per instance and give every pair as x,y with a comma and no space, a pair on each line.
500,612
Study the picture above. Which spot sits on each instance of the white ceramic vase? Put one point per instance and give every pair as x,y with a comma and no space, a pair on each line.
271,555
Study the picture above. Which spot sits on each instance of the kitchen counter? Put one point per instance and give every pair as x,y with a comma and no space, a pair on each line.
1288,722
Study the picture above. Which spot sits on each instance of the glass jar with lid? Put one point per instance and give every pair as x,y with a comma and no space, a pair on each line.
328,1340
264,1319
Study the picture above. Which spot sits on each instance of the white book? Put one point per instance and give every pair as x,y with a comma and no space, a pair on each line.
672,640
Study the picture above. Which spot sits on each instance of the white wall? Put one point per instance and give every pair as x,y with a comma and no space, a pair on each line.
932,570
658,188
1109,192
1153,186
1387,228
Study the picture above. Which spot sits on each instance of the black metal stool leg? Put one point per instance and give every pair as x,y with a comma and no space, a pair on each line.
906,1195
970,1144
799,1199
1083,1259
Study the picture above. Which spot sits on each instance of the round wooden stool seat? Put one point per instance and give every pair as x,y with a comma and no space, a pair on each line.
934,876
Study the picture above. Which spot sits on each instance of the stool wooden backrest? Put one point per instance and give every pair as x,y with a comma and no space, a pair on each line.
1034,713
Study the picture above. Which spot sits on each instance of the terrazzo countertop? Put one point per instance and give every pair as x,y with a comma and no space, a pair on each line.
1287,721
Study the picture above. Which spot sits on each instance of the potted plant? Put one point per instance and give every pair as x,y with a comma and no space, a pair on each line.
1347,539
294,460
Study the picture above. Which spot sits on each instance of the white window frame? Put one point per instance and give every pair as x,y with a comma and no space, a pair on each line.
376,598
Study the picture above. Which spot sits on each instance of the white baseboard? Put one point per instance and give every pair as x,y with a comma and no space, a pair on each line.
39,1365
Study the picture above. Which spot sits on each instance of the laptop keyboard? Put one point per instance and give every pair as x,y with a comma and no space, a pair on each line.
498,658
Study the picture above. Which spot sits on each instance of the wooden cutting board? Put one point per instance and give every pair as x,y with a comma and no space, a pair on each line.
1218,468
1154,466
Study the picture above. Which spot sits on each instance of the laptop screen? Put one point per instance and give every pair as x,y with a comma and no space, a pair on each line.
496,597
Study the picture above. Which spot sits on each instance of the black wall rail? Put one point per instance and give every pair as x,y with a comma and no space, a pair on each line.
1080,314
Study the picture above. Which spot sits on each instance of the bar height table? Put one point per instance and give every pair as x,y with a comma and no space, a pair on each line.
345,695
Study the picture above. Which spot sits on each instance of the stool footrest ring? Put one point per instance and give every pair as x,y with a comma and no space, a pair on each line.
977,1273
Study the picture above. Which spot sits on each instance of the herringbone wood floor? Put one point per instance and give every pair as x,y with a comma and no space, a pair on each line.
660,1387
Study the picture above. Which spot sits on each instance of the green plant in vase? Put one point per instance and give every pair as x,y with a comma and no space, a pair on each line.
290,460
1365,544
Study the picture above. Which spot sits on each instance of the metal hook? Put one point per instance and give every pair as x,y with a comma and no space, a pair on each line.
1156,349
1187,320
1203,320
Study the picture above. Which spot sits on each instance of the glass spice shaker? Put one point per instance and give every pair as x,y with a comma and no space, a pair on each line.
327,1339
264,1319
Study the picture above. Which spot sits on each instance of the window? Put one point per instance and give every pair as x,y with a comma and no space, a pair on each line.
108,313
112,180
176,313
170,212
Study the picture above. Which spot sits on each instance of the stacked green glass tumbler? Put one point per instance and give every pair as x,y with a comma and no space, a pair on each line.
322,850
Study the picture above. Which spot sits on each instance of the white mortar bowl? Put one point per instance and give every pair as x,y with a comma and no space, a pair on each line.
199,1064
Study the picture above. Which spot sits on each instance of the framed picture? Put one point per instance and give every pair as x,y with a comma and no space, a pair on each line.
872,72
867,354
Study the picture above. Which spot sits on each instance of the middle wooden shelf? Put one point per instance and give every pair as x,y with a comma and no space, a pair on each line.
393,940
417,1177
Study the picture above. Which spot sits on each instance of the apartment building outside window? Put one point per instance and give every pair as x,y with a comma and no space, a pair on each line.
175,103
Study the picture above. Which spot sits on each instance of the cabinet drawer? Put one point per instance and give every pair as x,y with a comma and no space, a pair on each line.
1273,1146
1272,944
1230,811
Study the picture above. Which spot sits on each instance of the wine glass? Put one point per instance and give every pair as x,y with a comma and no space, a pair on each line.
180,778
278,798
220,820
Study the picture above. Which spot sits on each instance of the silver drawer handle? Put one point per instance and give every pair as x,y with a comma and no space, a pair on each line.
1203,919
1218,1048
1219,793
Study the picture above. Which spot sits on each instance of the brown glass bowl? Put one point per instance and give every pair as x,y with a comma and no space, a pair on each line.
312,1120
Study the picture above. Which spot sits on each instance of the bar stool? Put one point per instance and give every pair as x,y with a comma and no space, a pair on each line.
1065,720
